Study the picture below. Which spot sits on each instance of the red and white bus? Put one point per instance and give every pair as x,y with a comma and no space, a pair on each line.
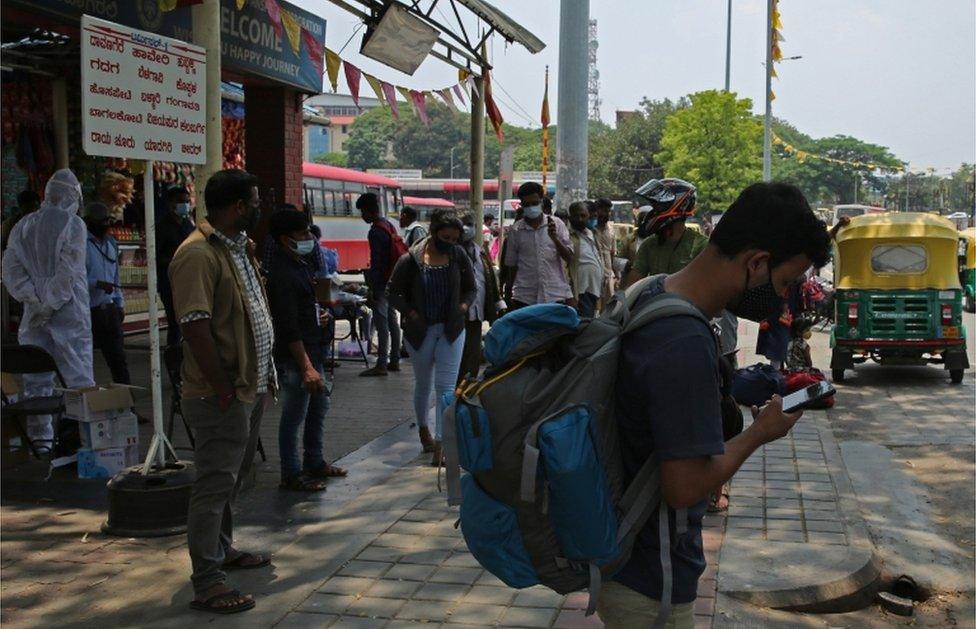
330,195
426,206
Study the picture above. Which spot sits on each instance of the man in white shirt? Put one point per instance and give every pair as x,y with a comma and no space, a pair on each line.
413,230
585,269
535,251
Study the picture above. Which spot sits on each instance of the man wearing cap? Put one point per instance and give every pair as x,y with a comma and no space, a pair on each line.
105,291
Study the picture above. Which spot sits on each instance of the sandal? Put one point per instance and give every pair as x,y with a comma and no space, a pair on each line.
302,483
328,471
210,605
247,561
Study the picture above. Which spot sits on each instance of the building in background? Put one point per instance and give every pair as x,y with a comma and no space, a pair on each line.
341,112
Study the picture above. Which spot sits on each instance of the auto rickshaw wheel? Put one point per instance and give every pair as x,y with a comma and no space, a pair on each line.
837,375
969,303
956,375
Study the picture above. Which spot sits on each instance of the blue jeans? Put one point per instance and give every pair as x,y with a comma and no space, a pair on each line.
299,406
435,370
387,325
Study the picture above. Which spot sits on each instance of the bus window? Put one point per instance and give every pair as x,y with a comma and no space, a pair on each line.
315,196
328,203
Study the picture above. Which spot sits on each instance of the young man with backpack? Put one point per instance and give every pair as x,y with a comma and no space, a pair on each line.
385,248
668,403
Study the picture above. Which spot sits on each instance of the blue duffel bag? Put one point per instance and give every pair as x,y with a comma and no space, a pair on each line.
754,385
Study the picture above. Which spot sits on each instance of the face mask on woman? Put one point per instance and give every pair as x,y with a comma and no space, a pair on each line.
304,247
182,210
468,234
442,245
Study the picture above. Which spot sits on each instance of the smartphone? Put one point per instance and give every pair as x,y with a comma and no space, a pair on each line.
808,395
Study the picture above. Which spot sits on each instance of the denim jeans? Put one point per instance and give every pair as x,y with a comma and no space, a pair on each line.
298,406
387,328
435,370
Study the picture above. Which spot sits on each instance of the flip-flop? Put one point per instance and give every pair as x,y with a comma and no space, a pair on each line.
208,605
240,562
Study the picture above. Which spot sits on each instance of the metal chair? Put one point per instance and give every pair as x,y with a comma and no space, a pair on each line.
173,359
31,359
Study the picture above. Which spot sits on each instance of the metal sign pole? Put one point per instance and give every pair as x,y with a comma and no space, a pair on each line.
160,444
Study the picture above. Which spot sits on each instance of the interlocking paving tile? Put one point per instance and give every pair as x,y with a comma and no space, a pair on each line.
346,585
452,574
393,588
360,568
471,614
326,603
441,592
410,572
528,617
375,607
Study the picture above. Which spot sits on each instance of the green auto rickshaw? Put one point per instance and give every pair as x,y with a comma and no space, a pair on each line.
967,267
898,296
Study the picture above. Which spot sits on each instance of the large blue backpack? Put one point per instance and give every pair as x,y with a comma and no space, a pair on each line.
543,499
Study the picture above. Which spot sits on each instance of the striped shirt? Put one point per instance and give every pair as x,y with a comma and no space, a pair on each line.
260,319
437,292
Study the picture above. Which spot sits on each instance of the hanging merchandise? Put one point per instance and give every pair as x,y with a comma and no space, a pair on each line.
494,115
116,191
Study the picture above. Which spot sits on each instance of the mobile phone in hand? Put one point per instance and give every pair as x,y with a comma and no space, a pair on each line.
806,396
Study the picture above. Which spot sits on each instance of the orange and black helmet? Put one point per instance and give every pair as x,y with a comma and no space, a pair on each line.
670,199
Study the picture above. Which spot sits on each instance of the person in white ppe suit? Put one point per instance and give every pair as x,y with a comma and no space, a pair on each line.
44,269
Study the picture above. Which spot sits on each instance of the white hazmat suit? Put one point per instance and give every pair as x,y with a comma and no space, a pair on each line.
44,269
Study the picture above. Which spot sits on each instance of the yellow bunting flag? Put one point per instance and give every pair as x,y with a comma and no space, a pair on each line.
292,29
240,4
332,64
377,88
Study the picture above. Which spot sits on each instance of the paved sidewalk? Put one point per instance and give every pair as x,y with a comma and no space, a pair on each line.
795,538
418,570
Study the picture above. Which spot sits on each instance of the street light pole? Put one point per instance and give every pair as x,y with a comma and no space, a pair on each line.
728,45
453,148
768,121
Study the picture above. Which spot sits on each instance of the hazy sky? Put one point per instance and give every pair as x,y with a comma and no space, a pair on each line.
900,73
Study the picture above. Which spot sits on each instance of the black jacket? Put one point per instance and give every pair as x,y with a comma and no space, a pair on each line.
291,299
407,294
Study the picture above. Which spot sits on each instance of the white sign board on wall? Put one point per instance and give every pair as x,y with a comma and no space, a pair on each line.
143,95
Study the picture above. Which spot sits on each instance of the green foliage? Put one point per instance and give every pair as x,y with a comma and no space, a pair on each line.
622,159
825,183
332,159
369,139
716,144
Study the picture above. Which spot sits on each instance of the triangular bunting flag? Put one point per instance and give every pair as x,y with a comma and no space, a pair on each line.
469,80
377,88
332,63
420,106
293,30
353,75
314,50
274,12
445,95
459,93
407,97
391,99
491,109
240,4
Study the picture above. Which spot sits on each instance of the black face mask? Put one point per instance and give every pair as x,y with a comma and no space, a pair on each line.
98,229
759,303
443,246
578,225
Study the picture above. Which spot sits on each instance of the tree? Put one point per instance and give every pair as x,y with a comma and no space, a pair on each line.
622,159
825,183
716,144
369,139
332,159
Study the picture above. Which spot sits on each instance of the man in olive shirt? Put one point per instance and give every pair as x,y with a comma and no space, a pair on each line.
669,245
227,372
